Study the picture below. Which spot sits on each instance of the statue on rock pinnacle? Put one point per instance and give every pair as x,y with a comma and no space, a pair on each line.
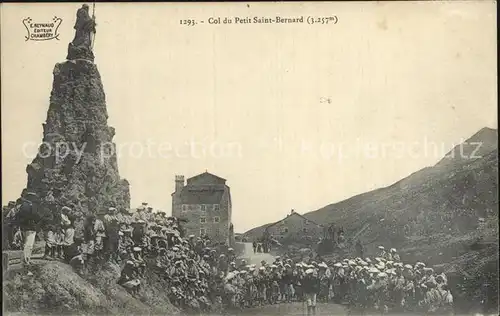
81,46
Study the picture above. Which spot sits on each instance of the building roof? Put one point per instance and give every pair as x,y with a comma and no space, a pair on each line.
205,174
292,214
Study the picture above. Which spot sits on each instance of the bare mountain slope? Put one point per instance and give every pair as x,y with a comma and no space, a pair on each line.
445,215
446,198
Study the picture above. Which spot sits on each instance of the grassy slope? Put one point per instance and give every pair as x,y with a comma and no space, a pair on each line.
55,289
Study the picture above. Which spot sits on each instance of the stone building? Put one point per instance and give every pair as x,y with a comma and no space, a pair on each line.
204,201
295,227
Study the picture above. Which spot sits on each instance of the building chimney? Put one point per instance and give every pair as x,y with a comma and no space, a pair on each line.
179,183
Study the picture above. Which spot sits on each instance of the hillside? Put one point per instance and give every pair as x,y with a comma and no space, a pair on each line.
452,192
446,214
54,288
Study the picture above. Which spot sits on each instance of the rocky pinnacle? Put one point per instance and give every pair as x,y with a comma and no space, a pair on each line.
77,163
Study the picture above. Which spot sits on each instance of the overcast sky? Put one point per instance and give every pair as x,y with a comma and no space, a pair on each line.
272,106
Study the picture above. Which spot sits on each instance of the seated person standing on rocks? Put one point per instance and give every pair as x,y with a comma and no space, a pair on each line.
17,242
78,224
88,237
112,228
100,233
68,242
50,242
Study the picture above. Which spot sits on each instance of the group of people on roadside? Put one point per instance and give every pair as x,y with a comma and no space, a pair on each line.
382,284
204,277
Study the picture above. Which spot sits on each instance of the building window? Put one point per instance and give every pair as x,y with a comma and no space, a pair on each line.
216,219
203,231
216,207
203,208
203,220
304,230
284,230
184,207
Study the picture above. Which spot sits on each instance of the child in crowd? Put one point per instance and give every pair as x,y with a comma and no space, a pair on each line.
59,237
50,243
17,241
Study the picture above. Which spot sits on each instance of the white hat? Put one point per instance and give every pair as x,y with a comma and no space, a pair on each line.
374,270
191,236
262,268
408,266
230,249
287,265
378,259
338,265
309,271
364,263
120,233
137,249
393,249
382,275
381,247
233,263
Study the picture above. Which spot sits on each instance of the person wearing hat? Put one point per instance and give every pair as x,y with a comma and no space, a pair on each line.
398,283
395,255
379,291
261,282
432,297
381,252
287,281
136,258
129,278
446,306
112,227
275,280
310,287
98,232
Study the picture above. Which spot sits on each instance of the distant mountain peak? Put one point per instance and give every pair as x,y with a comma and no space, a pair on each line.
477,146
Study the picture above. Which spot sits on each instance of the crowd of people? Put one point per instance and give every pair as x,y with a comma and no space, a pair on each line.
204,277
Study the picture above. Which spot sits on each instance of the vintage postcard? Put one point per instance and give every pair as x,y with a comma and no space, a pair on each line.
249,158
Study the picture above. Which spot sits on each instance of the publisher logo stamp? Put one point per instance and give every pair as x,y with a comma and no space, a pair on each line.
42,31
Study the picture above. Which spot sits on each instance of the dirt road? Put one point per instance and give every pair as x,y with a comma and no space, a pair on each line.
255,258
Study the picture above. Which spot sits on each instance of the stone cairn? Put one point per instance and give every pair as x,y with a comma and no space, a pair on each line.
76,164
